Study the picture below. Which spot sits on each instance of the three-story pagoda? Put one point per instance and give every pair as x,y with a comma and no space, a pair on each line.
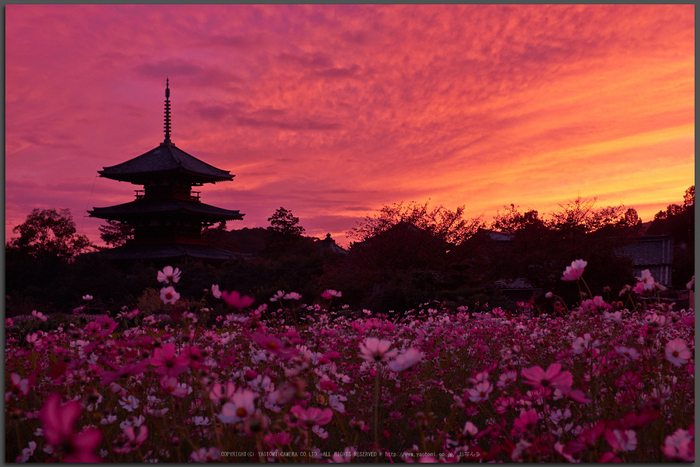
167,215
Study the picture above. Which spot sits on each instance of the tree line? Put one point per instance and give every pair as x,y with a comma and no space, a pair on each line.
407,254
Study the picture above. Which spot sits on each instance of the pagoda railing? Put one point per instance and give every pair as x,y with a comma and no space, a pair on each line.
193,195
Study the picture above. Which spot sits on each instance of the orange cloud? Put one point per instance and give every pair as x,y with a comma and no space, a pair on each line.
335,110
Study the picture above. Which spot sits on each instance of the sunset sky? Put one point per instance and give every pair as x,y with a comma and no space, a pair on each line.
333,111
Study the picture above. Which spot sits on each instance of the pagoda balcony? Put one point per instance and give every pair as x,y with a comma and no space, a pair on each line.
191,196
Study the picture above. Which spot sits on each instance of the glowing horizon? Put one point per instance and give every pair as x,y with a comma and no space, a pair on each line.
334,111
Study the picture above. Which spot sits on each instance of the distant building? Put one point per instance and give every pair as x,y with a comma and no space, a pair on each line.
652,252
167,216
329,245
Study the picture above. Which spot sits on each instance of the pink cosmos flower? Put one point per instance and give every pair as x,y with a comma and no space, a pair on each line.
630,353
169,295
119,371
222,393
677,352
131,438
470,429
480,392
680,445
646,280
241,406
406,360
283,394
277,296
20,385
330,293
9,322
167,363
524,422
553,377
216,293
26,453
345,457
129,403
39,315
574,271
203,455
235,300
168,274
583,343
506,378
375,350
292,296
274,345
504,403
171,385
312,416
622,440
281,439
58,421
560,448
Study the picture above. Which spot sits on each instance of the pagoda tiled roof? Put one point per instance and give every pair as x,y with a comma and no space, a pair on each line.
154,207
165,159
167,251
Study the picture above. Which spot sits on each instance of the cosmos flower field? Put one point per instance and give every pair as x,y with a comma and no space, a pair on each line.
290,381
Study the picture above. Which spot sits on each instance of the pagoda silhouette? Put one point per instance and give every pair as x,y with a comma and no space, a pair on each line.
167,216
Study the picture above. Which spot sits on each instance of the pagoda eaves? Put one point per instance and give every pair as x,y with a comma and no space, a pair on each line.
167,216
165,161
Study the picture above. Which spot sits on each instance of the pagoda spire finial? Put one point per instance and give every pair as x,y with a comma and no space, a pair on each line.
167,111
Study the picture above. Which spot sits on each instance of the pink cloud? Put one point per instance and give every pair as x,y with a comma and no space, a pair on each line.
320,108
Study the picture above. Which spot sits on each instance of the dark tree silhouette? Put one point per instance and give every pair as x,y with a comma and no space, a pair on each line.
284,222
48,233
444,224
116,233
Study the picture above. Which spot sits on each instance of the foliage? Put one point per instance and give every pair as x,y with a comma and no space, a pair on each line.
284,222
116,233
443,224
48,233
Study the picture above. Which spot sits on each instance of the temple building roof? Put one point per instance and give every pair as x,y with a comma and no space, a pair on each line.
165,159
146,207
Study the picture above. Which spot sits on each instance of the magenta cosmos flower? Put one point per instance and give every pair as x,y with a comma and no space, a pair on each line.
553,377
621,440
375,350
312,416
131,438
406,360
169,275
235,300
677,352
222,392
167,363
58,421
574,271
330,293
